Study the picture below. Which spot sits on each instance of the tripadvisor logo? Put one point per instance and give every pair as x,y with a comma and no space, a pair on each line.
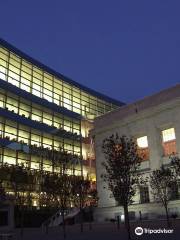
139,231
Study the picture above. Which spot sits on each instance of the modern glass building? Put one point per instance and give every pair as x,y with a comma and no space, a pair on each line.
43,112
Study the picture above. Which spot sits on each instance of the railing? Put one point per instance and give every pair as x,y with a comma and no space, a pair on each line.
34,149
40,125
56,219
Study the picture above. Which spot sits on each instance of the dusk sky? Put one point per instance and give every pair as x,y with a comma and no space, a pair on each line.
125,49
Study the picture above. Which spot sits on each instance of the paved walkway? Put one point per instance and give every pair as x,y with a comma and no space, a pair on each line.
106,231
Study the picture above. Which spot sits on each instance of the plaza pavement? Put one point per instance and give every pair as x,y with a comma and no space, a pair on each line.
103,231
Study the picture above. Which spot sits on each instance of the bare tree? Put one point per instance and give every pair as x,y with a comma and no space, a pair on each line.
121,170
2,193
57,188
175,164
22,181
161,181
80,192
64,192
4,178
62,184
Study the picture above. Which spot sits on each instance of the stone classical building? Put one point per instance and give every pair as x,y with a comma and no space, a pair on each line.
155,124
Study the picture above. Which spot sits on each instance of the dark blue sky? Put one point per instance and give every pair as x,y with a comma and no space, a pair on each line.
125,49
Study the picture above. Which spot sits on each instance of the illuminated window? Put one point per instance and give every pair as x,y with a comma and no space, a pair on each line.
3,64
56,99
57,92
1,130
76,102
2,99
168,135
47,143
36,114
36,90
47,168
76,128
14,60
57,169
9,156
67,101
25,81
3,73
85,109
67,125
142,142
47,118
169,141
10,132
9,160
35,140
34,165
47,94
67,96
143,149
24,110
68,147
57,122
35,117
47,87
22,158
77,150
23,136
12,104
26,67
58,144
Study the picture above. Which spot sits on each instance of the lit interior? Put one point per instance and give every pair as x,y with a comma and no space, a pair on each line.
49,87
168,135
142,142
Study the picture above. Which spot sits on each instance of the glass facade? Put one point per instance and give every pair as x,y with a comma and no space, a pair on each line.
43,113
27,76
28,137
30,110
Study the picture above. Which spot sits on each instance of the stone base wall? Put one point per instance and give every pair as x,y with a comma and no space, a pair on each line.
137,211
